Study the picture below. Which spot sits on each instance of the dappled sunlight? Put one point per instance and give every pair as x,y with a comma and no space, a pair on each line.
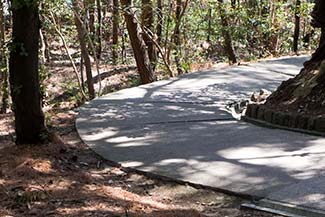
101,134
181,128
124,141
308,161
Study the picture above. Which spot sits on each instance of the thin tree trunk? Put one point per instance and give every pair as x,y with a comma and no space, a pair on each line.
43,47
297,27
99,30
167,48
84,50
24,78
57,29
229,48
160,20
147,23
137,43
3,63
209,17
90,6
115,31
82,72
177,36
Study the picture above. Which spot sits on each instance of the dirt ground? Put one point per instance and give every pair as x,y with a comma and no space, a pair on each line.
68,179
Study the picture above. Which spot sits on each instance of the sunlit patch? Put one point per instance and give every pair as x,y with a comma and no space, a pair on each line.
126,141
43,166
317,197
102,134
307,160
132,164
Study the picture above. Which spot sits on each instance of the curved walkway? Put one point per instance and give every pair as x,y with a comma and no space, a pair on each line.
180,128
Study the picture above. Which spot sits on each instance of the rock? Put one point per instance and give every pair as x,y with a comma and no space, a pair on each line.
278,118
268,115
320,124
292,121
260,113
311,124
302,122
261,96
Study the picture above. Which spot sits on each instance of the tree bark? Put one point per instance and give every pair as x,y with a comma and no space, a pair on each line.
24,78
90,7
84,50
297,27
147,23
177,36
3,63
99,30
137,43
115,31
160,19
318,21
228,45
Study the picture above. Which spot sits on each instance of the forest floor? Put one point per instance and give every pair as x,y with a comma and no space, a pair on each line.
69,179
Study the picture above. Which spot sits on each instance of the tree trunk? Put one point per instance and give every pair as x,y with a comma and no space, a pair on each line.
84,50
304,93
3,63
24,78
318,22
228,45
297,27
147,24
90,7
137,43
209,17
115,31
160,19
177,37
99,30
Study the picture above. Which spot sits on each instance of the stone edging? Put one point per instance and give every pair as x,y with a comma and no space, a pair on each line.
258,114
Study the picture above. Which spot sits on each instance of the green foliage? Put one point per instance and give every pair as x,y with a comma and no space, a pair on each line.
133,81
43,74
258,29
72,93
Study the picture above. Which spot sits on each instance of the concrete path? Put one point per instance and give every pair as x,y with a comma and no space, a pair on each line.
180,128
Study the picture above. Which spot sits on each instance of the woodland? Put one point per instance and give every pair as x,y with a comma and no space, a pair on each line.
55,55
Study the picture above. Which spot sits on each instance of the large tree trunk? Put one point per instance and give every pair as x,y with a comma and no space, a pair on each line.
228,45
147,23
304,95
24,78
84,50
137,43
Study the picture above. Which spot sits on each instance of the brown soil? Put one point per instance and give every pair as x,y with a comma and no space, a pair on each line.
70,180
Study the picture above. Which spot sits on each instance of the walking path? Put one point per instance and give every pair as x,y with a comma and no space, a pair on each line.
180,128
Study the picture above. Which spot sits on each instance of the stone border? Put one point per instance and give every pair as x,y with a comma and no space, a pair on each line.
282,208
258,114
